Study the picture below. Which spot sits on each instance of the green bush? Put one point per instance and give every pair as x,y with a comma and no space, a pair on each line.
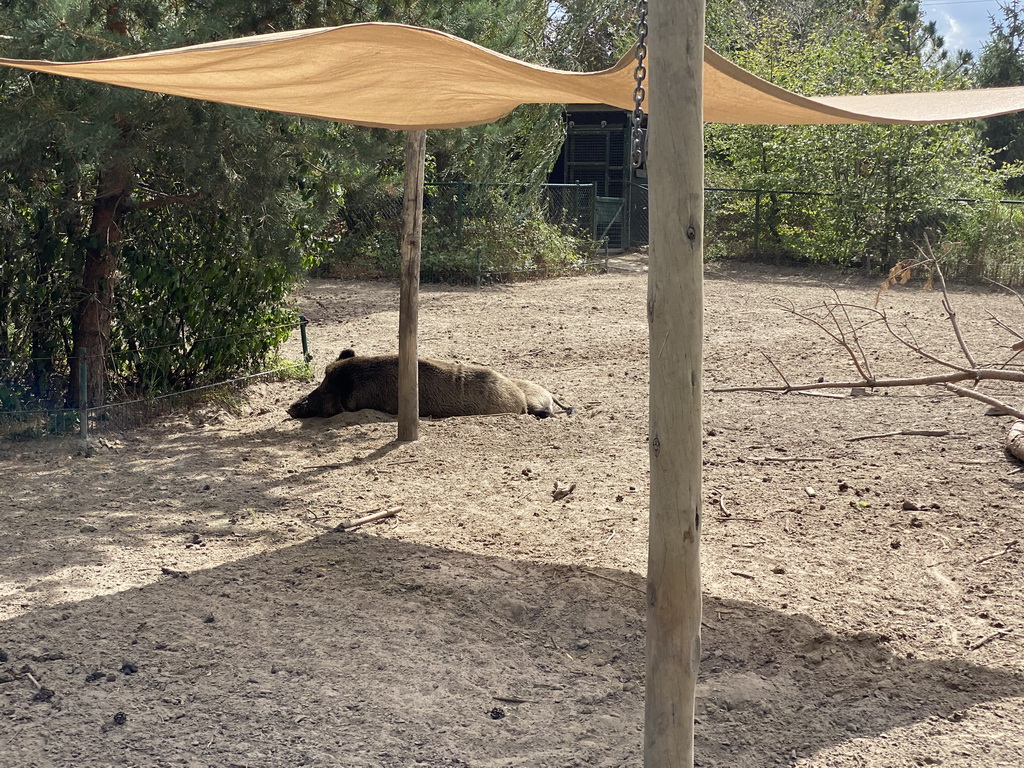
987,242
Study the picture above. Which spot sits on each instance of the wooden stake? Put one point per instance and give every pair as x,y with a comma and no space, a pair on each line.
409,303
675,169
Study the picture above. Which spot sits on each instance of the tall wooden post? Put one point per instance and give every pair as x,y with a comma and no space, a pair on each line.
675,166
409,303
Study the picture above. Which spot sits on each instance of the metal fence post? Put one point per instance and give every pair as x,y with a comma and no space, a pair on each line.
303,322
627,217
459,187
479,266
757,224
83,395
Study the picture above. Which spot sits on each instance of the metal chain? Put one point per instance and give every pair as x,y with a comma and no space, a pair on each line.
639,93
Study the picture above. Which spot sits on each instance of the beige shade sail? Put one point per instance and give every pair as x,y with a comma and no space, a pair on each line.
406,78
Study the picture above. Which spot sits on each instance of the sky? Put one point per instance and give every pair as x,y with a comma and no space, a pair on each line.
964,23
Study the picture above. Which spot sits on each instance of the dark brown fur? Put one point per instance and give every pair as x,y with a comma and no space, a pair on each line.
353,383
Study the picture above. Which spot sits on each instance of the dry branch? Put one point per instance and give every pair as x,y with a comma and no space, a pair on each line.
836,319
1009,546
900,433
777,369
995,374
947,304
988,399
613,581
784,459
348,525
989,638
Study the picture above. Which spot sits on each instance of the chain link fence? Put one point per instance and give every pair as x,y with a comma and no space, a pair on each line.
480,234
975,239
475,233
25,416
983,239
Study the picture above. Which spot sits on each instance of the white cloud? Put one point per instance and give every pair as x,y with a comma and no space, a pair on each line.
953,31
965,25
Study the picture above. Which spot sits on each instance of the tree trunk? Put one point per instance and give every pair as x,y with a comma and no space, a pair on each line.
95,309
1015,440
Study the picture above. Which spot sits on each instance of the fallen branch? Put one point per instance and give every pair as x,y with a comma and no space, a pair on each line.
900,433
514,700
777,369
1006,548
614,581
989,638
839,336
348,525
998,374
841,323
721,502
987,399
783,459
948,305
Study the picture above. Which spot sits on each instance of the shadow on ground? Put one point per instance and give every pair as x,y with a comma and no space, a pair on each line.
359,651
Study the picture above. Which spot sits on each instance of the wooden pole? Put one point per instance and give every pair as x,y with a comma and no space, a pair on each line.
409,303
675,165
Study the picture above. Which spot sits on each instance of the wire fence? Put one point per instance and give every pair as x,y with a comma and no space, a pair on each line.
488,233
19,419
985,238
477,233
465,226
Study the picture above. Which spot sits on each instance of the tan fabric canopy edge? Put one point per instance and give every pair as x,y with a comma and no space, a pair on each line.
379,75
405,78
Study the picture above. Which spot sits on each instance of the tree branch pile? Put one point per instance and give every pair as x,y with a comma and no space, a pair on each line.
843,323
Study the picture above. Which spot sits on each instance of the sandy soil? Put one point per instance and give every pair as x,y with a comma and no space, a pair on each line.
181,596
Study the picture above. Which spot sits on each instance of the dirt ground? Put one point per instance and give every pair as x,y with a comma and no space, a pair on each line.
181,596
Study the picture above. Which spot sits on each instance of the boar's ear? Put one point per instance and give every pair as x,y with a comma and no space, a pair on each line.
346,354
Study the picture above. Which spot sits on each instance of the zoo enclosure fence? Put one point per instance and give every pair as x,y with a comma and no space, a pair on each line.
16,418
736,227
777,225
480,233
740,223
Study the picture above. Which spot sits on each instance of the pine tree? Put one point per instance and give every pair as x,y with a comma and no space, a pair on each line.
136,222
1002,64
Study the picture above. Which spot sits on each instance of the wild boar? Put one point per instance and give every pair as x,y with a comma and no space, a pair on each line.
353,383
539,402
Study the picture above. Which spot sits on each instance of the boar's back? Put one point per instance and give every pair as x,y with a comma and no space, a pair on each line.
446,389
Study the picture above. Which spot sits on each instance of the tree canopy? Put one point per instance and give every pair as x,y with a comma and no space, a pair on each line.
157,237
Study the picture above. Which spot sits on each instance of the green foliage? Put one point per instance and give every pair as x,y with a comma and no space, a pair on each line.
470,232
880,188
222,209
507,240
987,241
589,35
1002,64
732,26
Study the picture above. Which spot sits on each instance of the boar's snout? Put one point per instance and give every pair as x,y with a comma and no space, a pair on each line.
300,409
